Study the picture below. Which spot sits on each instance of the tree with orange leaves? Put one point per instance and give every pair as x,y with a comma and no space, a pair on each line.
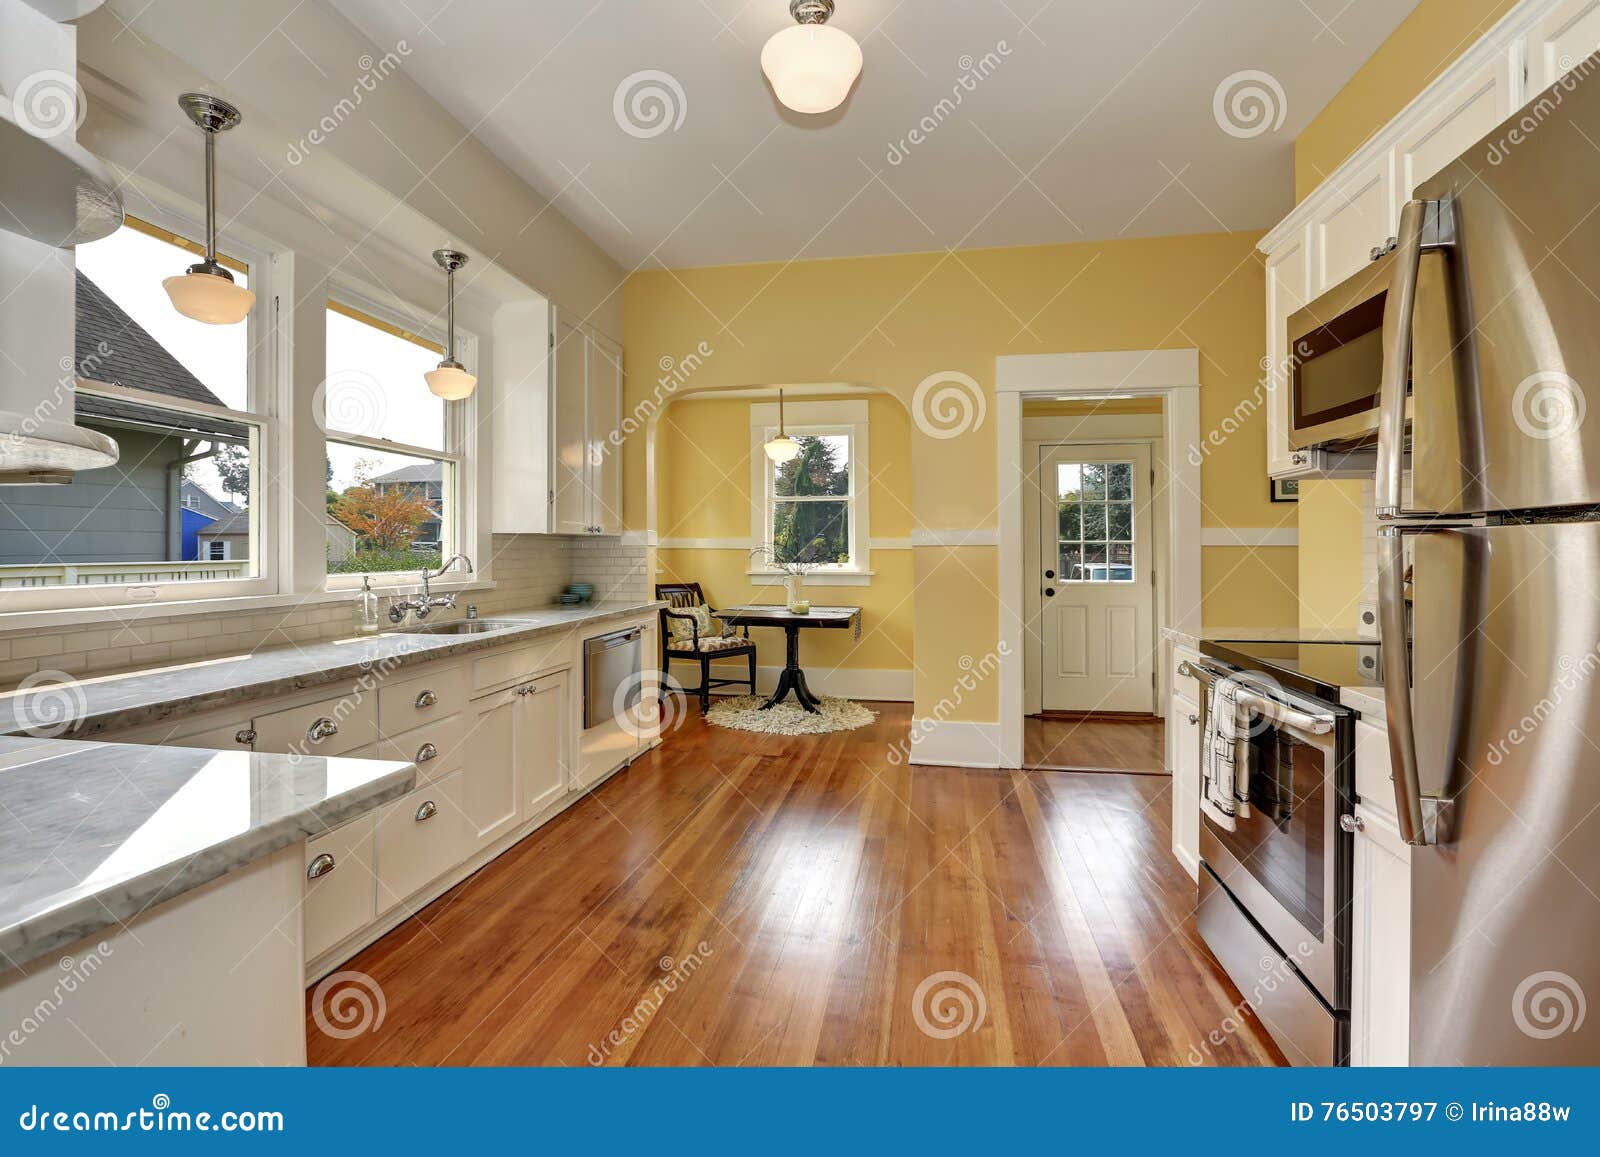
385,518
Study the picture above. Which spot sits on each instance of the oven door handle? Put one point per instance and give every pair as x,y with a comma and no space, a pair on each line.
1279,713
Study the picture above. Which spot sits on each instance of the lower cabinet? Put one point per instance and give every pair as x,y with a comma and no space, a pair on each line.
544,743
420,837
340,885
1380,905
517,757
1184,720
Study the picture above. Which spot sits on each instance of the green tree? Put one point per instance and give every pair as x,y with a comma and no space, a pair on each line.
814,532
233,468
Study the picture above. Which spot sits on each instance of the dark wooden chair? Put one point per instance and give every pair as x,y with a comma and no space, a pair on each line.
698,648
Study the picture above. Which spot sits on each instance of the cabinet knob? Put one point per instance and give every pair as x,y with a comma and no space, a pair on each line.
426,752
323,728
245,736
320,867
1298,459
425,699
427,811
1352,824
1194,719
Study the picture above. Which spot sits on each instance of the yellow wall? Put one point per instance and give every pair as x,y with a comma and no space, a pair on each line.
1426,43
704,491
890,322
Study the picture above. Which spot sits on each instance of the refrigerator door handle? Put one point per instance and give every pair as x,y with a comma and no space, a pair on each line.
1397,359
1417,816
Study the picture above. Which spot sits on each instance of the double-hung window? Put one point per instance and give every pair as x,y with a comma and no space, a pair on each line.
179,399
394,467
813,507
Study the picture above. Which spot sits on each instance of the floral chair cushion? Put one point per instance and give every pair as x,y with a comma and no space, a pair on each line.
683,630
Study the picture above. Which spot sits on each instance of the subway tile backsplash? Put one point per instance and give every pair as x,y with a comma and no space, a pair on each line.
528,571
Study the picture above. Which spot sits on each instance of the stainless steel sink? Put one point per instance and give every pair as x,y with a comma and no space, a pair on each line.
459,627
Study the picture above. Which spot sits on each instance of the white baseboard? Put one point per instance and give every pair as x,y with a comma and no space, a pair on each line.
955,744
887,686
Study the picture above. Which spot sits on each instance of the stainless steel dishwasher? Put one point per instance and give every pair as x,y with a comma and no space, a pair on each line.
611,666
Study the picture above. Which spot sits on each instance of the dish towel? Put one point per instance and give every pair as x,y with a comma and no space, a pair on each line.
1225,758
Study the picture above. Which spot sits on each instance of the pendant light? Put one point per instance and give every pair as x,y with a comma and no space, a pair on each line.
781,447
811,66
451,380
207,292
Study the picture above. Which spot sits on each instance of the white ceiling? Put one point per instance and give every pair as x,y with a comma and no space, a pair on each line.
1095,120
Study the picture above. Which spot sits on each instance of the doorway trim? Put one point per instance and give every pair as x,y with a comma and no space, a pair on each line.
1174,376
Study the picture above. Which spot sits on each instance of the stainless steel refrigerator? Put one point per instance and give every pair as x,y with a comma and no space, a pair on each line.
1496,748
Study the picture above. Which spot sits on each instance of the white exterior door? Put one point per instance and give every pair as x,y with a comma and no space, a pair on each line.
1097,618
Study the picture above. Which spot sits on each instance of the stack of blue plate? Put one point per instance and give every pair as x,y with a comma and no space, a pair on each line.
584,591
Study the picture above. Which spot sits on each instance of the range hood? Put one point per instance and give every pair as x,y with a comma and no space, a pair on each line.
57,196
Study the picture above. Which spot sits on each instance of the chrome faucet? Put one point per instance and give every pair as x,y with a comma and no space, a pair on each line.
423,606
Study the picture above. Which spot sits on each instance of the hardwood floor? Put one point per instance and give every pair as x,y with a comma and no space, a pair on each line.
764,900
1095,743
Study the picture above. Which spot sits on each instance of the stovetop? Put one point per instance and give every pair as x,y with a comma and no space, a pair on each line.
1318,668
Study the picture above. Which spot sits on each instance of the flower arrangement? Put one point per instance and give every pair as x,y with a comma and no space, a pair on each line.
793,570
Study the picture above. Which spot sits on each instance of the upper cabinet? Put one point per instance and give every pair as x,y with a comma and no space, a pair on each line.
1351,217
557,427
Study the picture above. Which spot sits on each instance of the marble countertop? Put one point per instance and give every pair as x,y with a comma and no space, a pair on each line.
93,834
86,708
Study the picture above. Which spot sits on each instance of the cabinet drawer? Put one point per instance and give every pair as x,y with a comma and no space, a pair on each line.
1186,685
501,667
341,898
436,748
402,706
328,727
420,837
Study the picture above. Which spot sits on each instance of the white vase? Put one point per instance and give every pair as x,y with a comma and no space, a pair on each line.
791,586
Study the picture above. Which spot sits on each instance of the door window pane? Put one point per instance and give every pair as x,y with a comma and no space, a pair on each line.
1095,519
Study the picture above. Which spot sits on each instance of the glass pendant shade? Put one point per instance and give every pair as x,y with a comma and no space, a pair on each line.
450,382
811,66
209,297
781,448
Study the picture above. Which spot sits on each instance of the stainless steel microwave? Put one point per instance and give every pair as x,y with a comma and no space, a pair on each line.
1335,360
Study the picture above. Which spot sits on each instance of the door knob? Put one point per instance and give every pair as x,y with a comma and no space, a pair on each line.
1049,574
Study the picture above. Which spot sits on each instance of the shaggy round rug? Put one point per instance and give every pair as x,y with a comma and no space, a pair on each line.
743,713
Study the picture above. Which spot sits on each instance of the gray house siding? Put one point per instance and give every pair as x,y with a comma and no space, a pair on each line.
119,513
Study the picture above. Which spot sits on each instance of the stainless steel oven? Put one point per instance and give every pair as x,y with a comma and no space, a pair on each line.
1275,890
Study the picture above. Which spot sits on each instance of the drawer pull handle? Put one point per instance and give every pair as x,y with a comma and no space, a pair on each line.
426,752
427,811
426,699
1194,719
323,728
1352,824
320,867
245,736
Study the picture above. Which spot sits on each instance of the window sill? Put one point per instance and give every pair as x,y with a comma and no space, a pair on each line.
186,608
834,578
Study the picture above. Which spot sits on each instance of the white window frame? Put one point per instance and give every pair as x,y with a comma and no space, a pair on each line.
268,389
458,502
817,418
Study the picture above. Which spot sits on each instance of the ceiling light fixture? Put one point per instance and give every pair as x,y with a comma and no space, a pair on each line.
780,447
207,292
451,380
810,66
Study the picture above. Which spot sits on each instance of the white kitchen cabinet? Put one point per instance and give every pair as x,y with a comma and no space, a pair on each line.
1380,949
420,836
1359,217
1288,290
341,888
1457,120
489,790
587,408
1568,34
544,747
1184,719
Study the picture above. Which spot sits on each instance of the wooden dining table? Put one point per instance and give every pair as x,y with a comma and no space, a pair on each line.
792,677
